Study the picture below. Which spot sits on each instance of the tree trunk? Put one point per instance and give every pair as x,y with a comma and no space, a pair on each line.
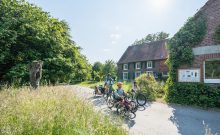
35,71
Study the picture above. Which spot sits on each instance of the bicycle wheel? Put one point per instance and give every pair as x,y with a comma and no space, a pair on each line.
134,106
110,103
94,93
107,96
141,99
131,115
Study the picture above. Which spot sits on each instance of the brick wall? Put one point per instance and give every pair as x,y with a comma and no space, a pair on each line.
163,67
201,58
212,11
158,66
198,63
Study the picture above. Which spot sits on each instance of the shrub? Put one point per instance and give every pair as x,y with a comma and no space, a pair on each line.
51,110
194,94
149,86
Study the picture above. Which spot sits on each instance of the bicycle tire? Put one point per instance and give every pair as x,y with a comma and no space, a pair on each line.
132,117
110,103
141,99
134,106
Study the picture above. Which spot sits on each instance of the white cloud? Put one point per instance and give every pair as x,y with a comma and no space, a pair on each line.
113,42
117,28
106,50
115,36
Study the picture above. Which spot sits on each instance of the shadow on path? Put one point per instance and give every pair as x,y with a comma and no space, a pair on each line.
99,101
130,123
142,108
189,121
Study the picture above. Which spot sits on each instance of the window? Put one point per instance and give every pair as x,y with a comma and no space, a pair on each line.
125,67
165,74
212,71
149,73
149,64
125,75
137,74
138,65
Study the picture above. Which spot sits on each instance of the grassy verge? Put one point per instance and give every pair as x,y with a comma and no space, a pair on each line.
51,110
91,84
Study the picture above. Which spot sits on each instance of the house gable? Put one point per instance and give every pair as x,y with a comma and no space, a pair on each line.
212,12
208,49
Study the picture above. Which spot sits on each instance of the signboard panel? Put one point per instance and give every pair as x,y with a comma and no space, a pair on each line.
189,75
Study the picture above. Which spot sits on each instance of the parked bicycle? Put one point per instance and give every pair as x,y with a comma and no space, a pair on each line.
118,99
137,96
99,90
105,91
124,107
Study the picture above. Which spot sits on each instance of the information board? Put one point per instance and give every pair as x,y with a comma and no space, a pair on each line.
189,75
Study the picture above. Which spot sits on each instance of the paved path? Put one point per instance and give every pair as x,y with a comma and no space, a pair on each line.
161,119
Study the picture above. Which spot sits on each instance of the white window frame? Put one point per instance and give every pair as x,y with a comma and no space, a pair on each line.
151,63
136,65
124,65
209,80
124,76
148,72
165,75
137,73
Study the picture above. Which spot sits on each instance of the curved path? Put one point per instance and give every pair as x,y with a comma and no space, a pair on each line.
161,119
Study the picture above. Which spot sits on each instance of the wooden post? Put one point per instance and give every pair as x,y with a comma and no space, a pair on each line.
35,71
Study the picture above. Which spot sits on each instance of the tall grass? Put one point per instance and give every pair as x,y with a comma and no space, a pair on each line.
51,110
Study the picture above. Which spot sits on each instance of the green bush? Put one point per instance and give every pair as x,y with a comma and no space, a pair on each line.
197,94
54,111
149,86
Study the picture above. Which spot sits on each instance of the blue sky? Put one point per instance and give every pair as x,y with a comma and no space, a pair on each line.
105,28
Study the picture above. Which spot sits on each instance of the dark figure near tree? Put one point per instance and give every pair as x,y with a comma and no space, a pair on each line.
35,71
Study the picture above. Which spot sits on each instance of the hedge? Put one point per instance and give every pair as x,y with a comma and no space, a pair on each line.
197,94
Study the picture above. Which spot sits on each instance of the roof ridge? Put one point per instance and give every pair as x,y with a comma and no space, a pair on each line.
150,42
154,50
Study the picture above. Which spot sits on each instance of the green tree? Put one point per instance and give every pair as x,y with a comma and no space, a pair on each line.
28,33
110,67
152,37
97,69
